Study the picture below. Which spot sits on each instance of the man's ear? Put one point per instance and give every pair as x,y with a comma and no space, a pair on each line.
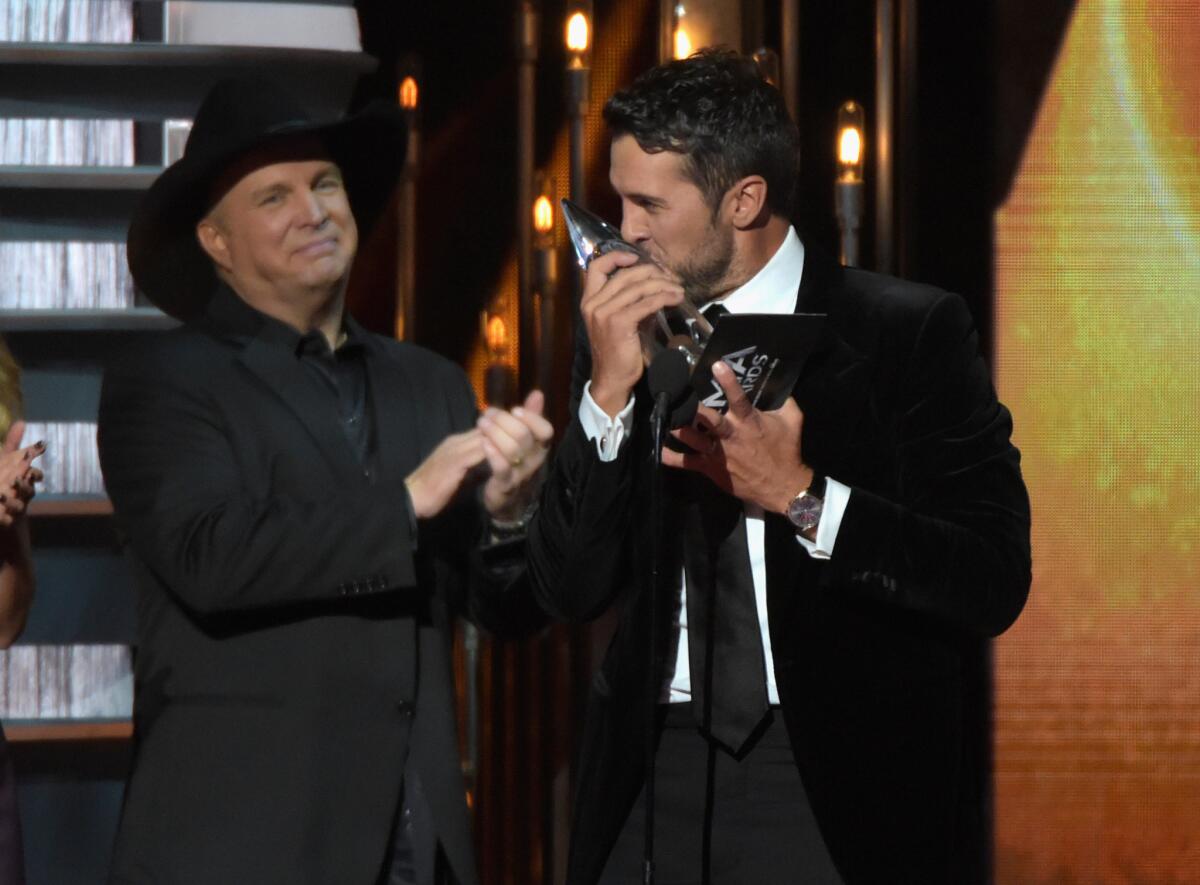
748,201
213,241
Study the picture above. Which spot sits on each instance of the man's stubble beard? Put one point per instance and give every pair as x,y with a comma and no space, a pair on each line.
707,276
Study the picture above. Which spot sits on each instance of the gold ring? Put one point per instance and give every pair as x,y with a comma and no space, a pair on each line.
517,461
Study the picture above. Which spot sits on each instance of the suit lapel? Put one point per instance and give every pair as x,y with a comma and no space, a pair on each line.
822,276
832,382
403,432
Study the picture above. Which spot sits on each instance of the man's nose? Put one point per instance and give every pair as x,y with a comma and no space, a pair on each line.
633,227
315,212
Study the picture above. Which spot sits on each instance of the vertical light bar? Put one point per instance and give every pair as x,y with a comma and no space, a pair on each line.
885,65
545,280
527,53
906,135
848,188
789,48
578,36
408,95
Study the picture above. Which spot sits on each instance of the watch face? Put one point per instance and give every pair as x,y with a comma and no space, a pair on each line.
805,511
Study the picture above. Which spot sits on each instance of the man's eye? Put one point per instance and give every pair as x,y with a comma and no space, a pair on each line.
330,183
270,199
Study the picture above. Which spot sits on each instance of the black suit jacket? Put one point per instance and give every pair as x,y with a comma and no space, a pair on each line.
880,652
293,632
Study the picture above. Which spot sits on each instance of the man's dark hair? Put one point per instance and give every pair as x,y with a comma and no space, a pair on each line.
716,110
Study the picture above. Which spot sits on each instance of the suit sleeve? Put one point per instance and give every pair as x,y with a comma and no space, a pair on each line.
181,495
579,540
953,541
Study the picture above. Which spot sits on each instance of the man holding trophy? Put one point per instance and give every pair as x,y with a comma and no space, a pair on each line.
833,562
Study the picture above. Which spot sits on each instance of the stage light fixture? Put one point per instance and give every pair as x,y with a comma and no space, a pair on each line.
543,215
850,147
578,36
681,41
409,93
497,338
848,186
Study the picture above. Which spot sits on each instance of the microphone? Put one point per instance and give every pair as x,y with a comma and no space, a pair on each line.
668,377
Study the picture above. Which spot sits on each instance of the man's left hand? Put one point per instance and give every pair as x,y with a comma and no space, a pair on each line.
754,456
516,443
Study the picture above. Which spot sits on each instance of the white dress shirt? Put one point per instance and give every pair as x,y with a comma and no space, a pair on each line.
772,290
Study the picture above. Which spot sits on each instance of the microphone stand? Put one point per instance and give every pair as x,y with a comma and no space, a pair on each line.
658,422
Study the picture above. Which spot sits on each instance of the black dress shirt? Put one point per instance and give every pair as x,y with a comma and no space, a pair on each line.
340,373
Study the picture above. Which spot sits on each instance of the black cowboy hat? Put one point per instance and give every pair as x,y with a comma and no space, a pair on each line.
236,117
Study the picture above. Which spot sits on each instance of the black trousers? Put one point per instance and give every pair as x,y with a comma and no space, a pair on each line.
724,821
12,865
416,855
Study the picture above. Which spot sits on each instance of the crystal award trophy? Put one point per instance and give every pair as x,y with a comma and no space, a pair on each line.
681,328
765,352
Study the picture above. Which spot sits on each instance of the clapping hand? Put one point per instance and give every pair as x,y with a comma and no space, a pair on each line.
18,476
514,444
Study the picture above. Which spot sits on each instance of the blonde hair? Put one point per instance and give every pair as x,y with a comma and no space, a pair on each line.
10,390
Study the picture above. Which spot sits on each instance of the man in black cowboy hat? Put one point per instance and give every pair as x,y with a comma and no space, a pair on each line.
303,503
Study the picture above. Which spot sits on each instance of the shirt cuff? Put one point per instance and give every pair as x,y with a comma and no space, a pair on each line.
413,523
837,496
607,433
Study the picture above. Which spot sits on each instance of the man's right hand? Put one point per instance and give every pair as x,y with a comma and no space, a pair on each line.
617,298
441,475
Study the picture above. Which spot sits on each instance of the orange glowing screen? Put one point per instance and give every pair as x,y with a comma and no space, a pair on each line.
1098,355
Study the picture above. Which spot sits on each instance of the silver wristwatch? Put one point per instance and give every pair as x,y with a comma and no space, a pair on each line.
804,510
